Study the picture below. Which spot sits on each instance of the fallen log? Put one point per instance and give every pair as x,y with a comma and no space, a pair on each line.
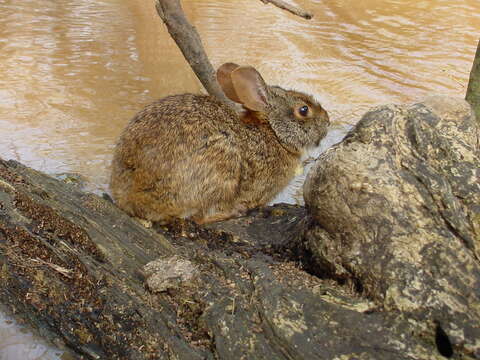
73,265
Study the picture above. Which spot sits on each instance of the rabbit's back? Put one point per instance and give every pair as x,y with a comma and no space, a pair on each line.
190,156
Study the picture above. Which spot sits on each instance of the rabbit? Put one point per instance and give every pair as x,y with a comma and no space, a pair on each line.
192,156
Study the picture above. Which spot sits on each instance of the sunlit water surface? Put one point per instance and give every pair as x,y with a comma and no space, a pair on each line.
74,72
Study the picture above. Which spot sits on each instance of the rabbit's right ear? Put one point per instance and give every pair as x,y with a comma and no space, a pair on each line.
225,80
250,88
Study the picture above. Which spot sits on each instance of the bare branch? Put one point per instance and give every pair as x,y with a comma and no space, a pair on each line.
188,40
190,44
290,8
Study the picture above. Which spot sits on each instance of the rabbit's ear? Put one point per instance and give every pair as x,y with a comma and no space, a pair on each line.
225,80
250,88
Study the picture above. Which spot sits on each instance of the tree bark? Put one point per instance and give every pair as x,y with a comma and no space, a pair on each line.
473,90
72,264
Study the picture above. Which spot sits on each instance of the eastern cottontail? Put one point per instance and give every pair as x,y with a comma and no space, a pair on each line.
191,156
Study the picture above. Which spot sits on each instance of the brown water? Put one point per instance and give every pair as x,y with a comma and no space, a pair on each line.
74,72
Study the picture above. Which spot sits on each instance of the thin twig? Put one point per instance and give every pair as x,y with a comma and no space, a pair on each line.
290,8
60,269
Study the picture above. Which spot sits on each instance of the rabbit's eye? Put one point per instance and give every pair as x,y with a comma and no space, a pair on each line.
303,110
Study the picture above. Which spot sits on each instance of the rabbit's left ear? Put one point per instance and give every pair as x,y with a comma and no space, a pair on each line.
250,88
225,80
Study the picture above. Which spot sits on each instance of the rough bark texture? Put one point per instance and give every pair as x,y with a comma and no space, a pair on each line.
395,210
473,91
72,264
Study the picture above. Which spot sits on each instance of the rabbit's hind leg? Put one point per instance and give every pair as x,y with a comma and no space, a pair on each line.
218,215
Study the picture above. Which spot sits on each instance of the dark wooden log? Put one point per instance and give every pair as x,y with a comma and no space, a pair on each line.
72,264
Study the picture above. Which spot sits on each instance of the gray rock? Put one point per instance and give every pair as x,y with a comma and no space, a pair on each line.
395,210
168,273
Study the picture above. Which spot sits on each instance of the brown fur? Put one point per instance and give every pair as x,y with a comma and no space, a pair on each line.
190,156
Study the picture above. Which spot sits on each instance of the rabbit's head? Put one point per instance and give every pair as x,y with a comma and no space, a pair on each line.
296,118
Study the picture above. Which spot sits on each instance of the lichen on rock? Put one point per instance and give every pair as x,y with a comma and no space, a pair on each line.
168,273
395,209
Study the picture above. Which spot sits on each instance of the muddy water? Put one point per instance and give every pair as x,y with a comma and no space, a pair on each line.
74,72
